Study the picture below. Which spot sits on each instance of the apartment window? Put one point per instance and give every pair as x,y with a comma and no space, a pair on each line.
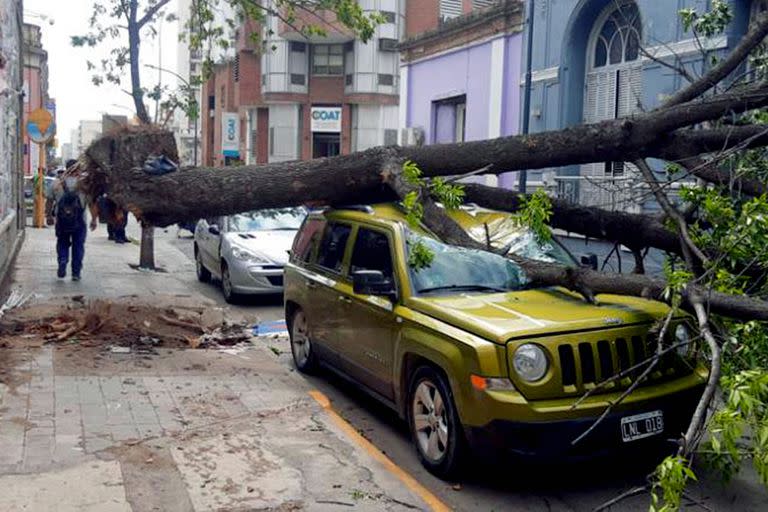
298,79
328,59
450,9
236,68
387,45
211,102
389,16
349,79
482,4
450,119
386,79
298,47
263,79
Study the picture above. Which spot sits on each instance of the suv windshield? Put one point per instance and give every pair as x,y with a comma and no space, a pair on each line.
458,269
267,220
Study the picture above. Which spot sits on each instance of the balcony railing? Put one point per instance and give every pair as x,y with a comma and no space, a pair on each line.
615,193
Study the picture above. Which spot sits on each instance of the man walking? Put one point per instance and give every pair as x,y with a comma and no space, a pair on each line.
69,212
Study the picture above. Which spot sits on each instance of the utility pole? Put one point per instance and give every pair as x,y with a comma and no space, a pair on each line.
529,12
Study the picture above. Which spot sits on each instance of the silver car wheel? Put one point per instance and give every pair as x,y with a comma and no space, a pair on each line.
226,282
429,421
300,344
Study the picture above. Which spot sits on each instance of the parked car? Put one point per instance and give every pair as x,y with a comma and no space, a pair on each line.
471,356
247,251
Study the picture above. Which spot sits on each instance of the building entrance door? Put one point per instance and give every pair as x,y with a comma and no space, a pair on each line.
325,144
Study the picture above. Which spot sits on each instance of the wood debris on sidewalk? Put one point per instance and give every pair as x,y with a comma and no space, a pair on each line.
122,323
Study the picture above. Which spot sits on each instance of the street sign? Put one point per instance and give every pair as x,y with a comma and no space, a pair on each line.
40,126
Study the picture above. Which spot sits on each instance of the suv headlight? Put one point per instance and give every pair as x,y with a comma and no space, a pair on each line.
683,337
248,256
530,362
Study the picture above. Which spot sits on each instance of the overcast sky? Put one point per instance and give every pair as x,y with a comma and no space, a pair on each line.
69,80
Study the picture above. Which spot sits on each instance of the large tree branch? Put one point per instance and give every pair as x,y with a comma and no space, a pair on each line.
756,34
635,231
151,12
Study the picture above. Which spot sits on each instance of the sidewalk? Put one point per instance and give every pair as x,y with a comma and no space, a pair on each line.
82,428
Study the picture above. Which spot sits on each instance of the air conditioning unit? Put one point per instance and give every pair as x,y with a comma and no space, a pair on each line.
412,136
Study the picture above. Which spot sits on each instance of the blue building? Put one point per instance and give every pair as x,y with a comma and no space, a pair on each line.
592,61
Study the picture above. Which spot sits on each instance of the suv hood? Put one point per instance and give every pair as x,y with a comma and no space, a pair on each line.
275,245
500,316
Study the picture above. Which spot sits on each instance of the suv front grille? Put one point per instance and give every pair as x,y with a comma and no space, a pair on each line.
585,364
581,361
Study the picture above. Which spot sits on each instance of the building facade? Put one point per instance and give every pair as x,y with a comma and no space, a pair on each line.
12,207
460,73
35,92
594,60
85,133
293,98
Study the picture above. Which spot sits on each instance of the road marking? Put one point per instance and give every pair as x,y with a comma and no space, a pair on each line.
422,492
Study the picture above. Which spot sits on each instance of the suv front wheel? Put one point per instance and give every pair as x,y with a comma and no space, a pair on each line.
435,427
301,346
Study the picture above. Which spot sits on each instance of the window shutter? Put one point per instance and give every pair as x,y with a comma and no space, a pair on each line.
630,85
450,9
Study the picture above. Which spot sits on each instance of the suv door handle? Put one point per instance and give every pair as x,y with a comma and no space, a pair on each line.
310,284
345,300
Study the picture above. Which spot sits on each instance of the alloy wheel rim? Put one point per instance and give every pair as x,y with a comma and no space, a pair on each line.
430,421
300,343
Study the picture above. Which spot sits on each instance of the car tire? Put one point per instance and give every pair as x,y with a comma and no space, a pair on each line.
226,285
431,411
203,274
301,347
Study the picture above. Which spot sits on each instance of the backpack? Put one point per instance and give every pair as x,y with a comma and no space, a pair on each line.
69,211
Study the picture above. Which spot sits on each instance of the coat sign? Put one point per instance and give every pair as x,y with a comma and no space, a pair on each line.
326,119
230,134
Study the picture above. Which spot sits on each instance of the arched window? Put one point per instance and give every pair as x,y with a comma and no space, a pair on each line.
618,40
613,89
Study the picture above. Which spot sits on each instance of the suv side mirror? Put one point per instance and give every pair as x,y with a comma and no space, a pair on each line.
589,260
214,229
372,282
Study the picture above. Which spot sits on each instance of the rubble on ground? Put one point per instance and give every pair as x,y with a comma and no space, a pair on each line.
119,324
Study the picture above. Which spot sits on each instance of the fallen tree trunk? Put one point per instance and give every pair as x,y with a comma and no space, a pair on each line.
356,178
635,231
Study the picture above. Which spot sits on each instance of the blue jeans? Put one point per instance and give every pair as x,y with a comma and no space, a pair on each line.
76,240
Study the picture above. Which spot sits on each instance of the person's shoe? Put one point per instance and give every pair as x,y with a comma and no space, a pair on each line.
76,277
110,237
62,272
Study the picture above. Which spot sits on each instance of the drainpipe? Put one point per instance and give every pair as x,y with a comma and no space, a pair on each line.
523,177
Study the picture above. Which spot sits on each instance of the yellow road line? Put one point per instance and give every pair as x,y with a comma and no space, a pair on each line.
422,492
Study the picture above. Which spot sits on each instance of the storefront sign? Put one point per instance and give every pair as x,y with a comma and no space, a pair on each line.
326,119
230,134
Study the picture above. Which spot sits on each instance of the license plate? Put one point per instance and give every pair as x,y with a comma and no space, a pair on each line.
641,426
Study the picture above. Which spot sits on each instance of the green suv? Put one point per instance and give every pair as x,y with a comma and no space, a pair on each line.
467,353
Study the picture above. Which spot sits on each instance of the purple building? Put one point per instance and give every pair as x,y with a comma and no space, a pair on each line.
461,81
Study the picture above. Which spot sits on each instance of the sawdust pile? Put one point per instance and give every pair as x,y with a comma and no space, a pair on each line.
120,323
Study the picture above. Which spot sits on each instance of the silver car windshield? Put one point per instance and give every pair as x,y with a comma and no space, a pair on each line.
267,220
458,269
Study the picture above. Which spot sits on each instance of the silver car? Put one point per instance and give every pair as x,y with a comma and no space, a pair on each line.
247,251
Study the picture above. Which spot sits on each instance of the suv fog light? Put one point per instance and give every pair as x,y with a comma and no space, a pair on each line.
491,383
683,335
530,362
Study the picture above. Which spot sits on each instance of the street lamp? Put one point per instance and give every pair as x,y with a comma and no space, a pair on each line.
193,101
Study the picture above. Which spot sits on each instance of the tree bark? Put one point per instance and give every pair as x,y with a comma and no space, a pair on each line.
134,45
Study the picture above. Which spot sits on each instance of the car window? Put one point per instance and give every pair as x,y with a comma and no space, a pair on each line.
332,247
456,269
371,252
274,219
307,239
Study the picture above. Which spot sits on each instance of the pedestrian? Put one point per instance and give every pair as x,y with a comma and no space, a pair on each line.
115,217
69,213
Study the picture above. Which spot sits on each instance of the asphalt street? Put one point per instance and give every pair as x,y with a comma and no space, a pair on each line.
490,485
